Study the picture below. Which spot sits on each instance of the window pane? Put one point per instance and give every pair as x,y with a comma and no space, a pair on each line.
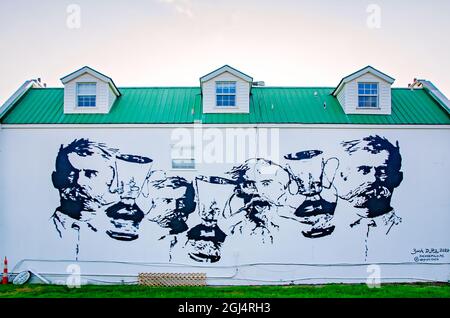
219,100
86,101
87,89
373,101
183,163
225,93
86,94
225,87
361,101
367,88
368,101
226,100
233,100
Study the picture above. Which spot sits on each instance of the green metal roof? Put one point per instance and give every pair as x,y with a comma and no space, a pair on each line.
176,105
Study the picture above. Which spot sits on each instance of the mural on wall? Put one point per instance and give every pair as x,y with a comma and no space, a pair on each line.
313,176
118,195
125,216
83,174
204,241
371,172
168,202
260,189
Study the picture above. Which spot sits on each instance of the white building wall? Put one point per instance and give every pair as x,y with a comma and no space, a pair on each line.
105,96
350,96
30,241
242,95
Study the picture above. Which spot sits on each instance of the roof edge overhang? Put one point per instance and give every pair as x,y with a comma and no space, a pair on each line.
96,74
436,94
21,91
226,125
223,69
359,73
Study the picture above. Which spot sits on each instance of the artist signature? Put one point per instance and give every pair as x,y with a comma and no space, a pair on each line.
430,250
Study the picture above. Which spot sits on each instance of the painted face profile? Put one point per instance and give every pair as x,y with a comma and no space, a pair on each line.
95,176
260,178
83,174
261,187
125,216
369,175
313,177
172,201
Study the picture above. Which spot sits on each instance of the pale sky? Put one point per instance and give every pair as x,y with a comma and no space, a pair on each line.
174,42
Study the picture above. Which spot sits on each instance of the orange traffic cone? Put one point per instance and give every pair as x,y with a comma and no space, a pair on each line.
5,272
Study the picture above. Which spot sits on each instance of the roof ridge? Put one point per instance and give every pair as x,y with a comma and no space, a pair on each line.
198,87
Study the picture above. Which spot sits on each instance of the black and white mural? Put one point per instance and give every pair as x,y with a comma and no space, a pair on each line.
122,196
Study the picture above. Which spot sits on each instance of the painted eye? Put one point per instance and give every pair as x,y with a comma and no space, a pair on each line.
381,171
364,169
167,200
90,173
180,204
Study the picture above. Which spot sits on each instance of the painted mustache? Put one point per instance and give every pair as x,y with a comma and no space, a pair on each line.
368,191
125,220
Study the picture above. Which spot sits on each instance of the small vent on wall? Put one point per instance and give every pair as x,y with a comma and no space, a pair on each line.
259,83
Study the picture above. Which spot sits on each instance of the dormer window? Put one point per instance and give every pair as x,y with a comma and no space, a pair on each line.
367,91
227,91
87,91
225,94
86,94
368,95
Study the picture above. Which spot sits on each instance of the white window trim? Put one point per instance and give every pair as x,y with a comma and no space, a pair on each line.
77,94
227,94
368,95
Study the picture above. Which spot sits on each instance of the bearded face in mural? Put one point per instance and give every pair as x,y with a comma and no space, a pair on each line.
369,175
261,187
367,178
172,200
84,171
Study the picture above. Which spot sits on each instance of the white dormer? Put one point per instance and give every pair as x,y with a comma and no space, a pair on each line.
226,90
88,91
367,91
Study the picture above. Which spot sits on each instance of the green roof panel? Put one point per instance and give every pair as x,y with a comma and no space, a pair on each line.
178,105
